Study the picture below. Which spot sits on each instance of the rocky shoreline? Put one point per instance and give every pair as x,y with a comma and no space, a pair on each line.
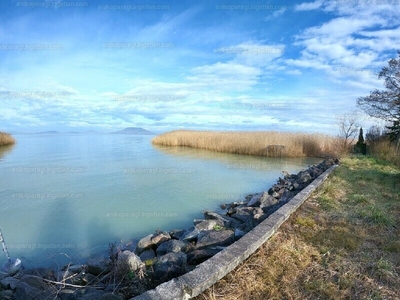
129,270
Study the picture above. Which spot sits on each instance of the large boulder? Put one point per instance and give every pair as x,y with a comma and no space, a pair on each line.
128,262
171,246
98,264
45,273
198,256
207,224
7,295
215,239
226,220
304,177
147,254
152,240
243,214
9,283
169,266
11,266
190,234
89,294
32,287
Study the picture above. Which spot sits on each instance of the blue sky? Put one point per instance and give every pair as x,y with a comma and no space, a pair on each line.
163,65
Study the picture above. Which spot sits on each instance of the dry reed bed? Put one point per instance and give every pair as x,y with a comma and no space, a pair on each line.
263,143
6,139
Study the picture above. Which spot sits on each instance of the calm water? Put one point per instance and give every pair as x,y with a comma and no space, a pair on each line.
70,195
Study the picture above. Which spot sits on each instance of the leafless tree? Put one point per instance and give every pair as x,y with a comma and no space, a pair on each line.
348,128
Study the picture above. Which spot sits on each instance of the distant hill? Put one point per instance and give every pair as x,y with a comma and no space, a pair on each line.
92,132
47,132
133,130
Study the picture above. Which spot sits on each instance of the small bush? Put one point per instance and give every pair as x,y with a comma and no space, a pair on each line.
6,139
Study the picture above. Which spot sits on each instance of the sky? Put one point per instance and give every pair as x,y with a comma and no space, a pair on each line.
216,65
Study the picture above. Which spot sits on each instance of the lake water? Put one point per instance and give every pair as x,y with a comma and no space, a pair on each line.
63,197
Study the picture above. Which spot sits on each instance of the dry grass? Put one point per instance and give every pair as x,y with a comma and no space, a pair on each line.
343,243
6,139
263,143
386,150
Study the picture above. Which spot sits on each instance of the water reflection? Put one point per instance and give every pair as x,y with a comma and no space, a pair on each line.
238,161
4,150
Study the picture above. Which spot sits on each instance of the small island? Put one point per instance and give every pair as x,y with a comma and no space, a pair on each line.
48,132
133,130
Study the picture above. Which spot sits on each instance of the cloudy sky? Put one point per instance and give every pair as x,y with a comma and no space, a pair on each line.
162,65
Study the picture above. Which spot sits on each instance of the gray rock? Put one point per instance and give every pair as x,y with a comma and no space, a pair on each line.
255,200
198,256
169,266
208,224
89,294
238,234
215,239
160,237
3,275
9,283
226,220
177,233
152,240
41,272
286,196
191,234
144,243
110,296
67,294
147,254
258,213
98,264
128,262
7,295
268,200
243,214
30,287
303,177
11,266
171,246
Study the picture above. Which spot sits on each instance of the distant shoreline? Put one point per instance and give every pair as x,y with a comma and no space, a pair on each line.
259,143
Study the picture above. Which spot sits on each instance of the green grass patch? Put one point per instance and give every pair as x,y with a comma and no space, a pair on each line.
376,215
305,222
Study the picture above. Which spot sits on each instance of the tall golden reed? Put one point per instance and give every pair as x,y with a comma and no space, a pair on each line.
263,143
6,139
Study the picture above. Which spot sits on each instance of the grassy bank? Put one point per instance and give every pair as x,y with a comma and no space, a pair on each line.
6,139
343,243
264,143
385,150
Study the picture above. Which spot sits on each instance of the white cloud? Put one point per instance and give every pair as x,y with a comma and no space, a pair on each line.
308,5
294,72
349,46
276,14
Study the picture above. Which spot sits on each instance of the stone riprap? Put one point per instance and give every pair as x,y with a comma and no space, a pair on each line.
180,263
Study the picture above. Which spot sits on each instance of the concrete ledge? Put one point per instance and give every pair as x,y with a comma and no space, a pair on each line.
209,272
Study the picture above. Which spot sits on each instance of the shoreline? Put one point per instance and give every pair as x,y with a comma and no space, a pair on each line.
166,255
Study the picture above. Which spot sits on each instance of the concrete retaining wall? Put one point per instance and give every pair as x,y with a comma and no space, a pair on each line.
209,272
